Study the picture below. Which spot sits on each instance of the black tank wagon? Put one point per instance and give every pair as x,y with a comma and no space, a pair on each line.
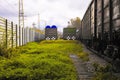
69,33
51,33
100,27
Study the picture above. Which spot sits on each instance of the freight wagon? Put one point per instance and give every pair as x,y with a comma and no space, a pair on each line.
69,33
51,33
100,27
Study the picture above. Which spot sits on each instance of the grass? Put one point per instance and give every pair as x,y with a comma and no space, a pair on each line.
83,56
104,72
47,60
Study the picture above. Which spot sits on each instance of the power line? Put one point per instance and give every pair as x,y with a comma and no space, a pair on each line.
10,9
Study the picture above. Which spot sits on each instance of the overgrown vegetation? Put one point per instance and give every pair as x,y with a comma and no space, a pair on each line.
47,60
83,56
5,50
104,73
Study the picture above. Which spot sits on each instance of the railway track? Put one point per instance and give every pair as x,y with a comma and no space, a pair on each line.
107,59
84,70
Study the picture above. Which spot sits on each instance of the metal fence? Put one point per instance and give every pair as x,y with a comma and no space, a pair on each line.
12,35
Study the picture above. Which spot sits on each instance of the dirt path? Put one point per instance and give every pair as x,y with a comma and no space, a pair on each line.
85,69
84,73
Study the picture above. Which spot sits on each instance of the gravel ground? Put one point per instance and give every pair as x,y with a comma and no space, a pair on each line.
83,72
85,69
94,58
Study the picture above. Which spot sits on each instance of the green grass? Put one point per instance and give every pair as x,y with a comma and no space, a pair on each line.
47,60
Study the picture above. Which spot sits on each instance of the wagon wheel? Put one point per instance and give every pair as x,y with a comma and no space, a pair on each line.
116,65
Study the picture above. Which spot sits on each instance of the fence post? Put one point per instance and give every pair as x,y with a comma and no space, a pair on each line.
6,25
33,34
12,34
16,36
22,36
19,36
25,36
29,35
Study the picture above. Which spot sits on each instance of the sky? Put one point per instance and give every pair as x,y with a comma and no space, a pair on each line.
52,12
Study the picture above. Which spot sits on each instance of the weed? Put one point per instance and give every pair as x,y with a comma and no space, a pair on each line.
47,60
103,72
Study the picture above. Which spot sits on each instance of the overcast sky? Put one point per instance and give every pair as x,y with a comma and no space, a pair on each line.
52,12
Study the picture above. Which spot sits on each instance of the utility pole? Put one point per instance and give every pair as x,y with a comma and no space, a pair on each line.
21,22
33,25
21,13
38,20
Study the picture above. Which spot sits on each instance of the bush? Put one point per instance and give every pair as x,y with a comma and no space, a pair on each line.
7,52
47,60
42,67
103,73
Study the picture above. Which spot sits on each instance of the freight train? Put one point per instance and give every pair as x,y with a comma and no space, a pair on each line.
100,28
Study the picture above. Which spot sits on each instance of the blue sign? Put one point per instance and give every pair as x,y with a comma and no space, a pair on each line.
48,26
53,26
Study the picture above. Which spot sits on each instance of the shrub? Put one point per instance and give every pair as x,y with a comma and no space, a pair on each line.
103,73
40,61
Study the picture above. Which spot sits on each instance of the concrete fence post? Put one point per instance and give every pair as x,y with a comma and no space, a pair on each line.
16,36
12,35
6,25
